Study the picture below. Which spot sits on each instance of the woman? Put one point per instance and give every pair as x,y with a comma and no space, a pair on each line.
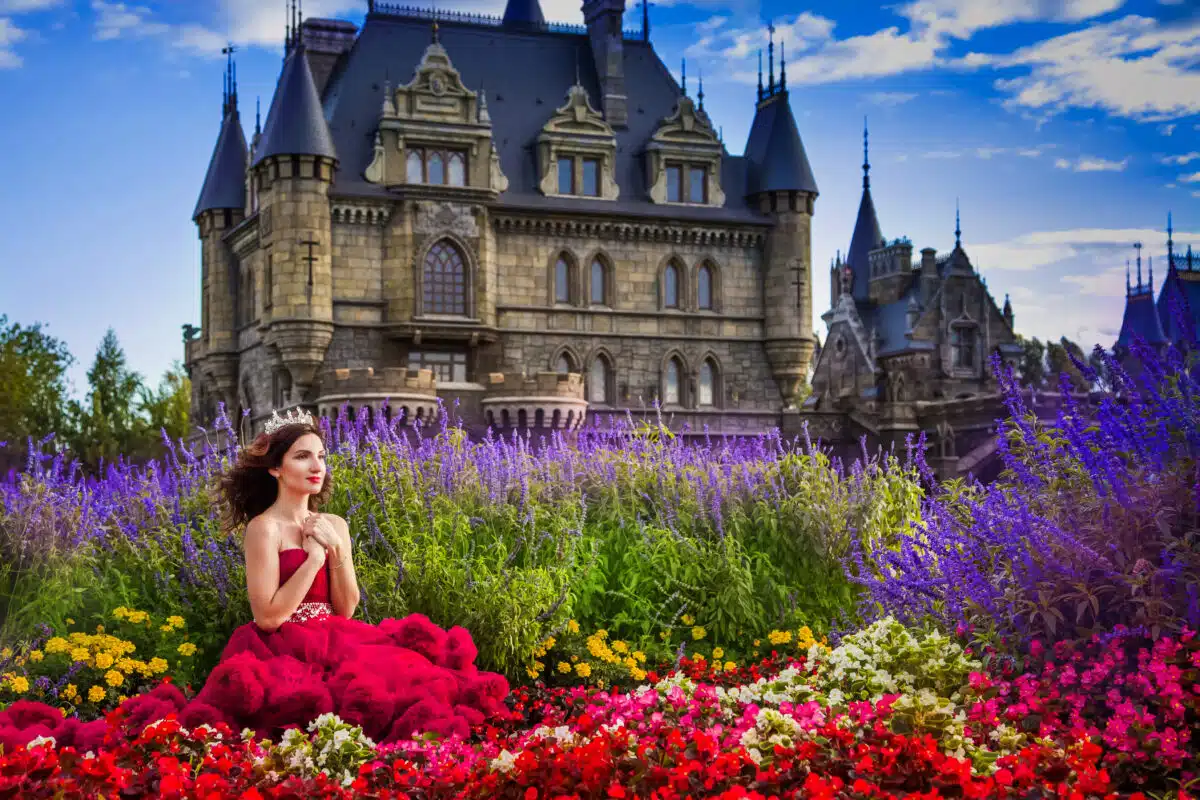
304,654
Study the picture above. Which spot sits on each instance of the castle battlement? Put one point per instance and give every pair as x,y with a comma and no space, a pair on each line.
397,380
543,400
541,384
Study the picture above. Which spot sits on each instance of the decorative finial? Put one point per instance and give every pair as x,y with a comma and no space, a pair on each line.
1170,245
483,115
287,28
1138,247
683,76
435,32
1150,286
760,86
957,226
258,116
866,160
645,20
291,418
700,91
782,68
770,58
1128,285
578,62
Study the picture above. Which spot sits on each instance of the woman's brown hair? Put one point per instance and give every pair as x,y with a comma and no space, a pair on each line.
248,489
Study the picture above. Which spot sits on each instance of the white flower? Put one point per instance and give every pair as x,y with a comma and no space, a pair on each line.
37,741
503,762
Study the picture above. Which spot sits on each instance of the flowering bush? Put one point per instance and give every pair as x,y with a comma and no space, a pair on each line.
1093,525
88,673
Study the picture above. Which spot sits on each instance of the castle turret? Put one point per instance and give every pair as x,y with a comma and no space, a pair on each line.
867,234
1141,318
1008,311
294,164
523,14
780,183
220,207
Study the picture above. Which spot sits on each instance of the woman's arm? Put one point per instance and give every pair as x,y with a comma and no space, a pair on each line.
343,583
271,603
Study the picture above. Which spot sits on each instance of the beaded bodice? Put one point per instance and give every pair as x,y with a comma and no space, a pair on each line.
316,601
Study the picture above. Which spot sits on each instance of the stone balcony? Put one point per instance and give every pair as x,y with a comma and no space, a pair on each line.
395,392
543,400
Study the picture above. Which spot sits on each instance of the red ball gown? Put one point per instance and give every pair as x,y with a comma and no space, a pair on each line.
397,678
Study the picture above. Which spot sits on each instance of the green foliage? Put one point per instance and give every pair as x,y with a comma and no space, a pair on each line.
33,383
107,425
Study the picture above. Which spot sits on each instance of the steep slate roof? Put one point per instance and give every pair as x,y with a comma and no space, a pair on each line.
296,122
1185,286
525,75
775,152
1141,319
225,182
523,12
867,237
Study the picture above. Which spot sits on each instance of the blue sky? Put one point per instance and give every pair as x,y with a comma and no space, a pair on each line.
1065,129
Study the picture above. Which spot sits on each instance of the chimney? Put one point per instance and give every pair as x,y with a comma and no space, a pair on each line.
604,23
325,41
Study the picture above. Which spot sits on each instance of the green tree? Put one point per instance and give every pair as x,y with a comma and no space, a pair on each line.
1058,359
1033,362
167,408
33,384
108,424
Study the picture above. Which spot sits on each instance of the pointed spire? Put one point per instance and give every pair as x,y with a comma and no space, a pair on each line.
700,92
683,76
782,68
760,86
866,160
1128,286
1150,285
645,20
225,182
257,117
287,29
1138,247
1189,258
770,58
957,226
296,120
1170,245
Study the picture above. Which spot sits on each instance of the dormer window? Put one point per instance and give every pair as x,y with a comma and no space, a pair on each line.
683,159
687,183
579,176
577,151
436,166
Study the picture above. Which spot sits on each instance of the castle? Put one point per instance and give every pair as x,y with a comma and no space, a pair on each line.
535,224
1172,318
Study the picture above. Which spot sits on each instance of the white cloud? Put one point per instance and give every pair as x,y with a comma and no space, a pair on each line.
1196,193
1092,164
116,20
1192,178
1171,185
1185,158
1109,282
890,98
988,152
26,6
1134,67
1167,130
10,34
1031,152
1032,251
942,154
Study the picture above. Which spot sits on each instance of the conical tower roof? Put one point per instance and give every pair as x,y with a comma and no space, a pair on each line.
867,234
296,122
225,182
524,12
774,152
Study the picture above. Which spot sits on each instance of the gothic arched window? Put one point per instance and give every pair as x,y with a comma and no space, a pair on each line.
562,280
708,383
704,294
563,365
671,377
458,170
597,381
599,284
671,286
436,167
416,170
445,280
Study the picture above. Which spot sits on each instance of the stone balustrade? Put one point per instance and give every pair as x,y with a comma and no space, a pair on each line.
542,400
393,391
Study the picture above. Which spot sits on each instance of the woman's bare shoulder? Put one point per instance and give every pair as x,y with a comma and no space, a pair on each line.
338,523
261,530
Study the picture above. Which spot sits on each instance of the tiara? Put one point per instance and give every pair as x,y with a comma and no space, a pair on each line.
276,422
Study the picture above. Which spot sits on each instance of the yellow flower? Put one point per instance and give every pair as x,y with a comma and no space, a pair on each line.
19,684
564,667
114,678
166,629
640,656
637,674
730,666
127,665
80,654
6,653
583,669
664,635
718,653
70,621
103,660
176,621
99,629
780,637
756,642
157,666
71,692
138,617
699,632
620,647
57,645
120,612
96,694
121,698
187,649
601,634
572,626
687,619
35,656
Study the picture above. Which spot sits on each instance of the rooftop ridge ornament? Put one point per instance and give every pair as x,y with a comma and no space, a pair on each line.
292,418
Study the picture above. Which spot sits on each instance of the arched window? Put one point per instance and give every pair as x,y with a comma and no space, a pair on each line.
445,280
671,286
563,365
457,171
671,390
962,342
708,383
415,170
597,381
436,169
562,280
704,293
599,284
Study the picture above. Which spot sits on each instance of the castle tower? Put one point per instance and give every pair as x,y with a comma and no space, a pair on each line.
867,234
294,165
523,14
220,207
1141,319
780,184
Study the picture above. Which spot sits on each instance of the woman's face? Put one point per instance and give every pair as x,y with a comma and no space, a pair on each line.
303,467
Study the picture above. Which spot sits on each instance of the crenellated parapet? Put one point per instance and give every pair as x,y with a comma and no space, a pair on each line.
395,392
542,400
